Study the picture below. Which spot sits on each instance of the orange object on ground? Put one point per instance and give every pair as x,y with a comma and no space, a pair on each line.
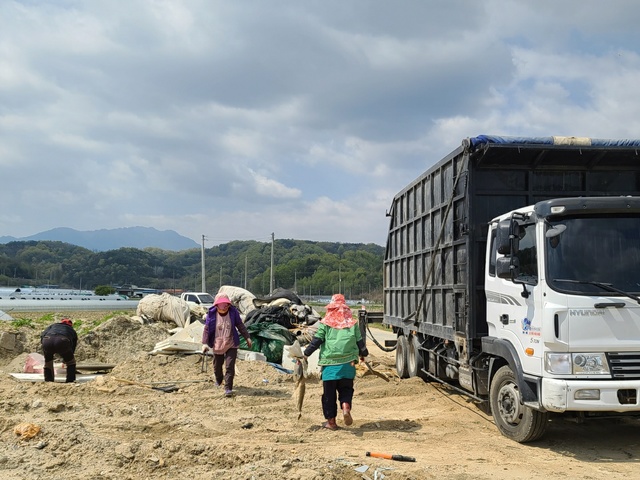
388,456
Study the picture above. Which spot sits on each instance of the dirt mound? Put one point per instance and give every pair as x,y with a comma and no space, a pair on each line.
118,339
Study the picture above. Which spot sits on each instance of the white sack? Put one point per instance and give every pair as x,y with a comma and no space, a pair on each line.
242,299
164,308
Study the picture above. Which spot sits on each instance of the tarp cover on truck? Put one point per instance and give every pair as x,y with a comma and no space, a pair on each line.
594,142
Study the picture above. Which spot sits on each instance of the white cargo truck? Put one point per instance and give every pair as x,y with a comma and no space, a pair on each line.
512,274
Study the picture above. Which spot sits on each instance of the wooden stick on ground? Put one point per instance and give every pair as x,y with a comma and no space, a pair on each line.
375,372
166,389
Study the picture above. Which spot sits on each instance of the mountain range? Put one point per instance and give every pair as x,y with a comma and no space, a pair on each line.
103,240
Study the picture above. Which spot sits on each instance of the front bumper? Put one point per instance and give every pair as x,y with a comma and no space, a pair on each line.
615,395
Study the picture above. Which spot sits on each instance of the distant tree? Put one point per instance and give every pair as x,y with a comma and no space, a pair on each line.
318,268
104,290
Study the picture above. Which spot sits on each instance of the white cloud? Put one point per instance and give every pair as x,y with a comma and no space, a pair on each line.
304,120
272,188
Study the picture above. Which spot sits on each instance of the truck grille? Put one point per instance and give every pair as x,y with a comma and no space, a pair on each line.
625,365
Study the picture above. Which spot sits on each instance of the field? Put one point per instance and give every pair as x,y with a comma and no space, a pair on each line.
107,429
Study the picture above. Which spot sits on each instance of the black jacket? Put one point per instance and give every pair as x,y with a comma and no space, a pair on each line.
61,329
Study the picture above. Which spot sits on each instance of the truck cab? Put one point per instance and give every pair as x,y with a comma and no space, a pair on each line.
563,296
202,299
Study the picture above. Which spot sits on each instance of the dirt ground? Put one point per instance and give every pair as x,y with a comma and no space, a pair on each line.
106,429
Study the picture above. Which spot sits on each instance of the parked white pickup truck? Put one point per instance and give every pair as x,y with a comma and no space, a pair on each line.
198,298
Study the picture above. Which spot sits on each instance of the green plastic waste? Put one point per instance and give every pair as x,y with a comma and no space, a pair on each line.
269,339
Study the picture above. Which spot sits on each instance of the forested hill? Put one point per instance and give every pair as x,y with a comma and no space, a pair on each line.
317,268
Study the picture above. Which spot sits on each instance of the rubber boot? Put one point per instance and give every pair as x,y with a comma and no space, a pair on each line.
71,373
48,374
330,424
346,412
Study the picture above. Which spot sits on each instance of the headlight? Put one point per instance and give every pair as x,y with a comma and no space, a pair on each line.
576,363
558,363
590,364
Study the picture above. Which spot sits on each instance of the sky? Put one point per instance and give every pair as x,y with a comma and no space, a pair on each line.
241,119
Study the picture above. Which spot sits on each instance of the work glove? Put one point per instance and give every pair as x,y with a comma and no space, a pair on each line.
205,348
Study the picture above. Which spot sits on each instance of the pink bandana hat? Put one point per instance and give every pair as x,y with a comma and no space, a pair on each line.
221,298
338,313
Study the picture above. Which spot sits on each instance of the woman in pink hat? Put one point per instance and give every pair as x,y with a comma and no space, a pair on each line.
222,324
340,343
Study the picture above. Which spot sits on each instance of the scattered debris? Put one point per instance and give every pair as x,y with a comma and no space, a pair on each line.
241,298
95,367
185,340
180,381
389,456
375,372
26,430
164,308
39,377
165,389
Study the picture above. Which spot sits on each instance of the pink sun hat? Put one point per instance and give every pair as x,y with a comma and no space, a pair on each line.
338,313
220,299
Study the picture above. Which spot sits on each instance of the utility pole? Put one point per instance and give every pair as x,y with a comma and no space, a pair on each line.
271,273
204,283
245,272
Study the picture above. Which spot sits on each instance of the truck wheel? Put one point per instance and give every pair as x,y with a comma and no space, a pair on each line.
402,353
514,420
415,362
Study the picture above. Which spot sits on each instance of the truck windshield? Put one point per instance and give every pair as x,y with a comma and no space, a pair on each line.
206,298
597,252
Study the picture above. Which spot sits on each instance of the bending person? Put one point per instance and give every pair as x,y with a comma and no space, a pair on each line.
62,339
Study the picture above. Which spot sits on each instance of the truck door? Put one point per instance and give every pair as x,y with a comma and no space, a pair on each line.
510,314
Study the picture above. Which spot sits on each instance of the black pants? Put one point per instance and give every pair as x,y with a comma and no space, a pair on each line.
344,389
62,346
227,359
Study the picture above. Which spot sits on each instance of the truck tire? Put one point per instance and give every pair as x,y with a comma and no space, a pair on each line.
402,360
514,420
415,363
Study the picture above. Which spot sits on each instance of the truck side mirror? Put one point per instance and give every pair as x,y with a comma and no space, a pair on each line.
503,243
508,237
507,267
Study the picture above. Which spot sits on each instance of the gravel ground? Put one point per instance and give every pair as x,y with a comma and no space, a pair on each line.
109,429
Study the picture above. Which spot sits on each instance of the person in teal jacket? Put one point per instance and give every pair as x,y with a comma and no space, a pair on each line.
340,343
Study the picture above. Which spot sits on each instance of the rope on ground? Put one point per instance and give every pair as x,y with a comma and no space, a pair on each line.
381,347
450,395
